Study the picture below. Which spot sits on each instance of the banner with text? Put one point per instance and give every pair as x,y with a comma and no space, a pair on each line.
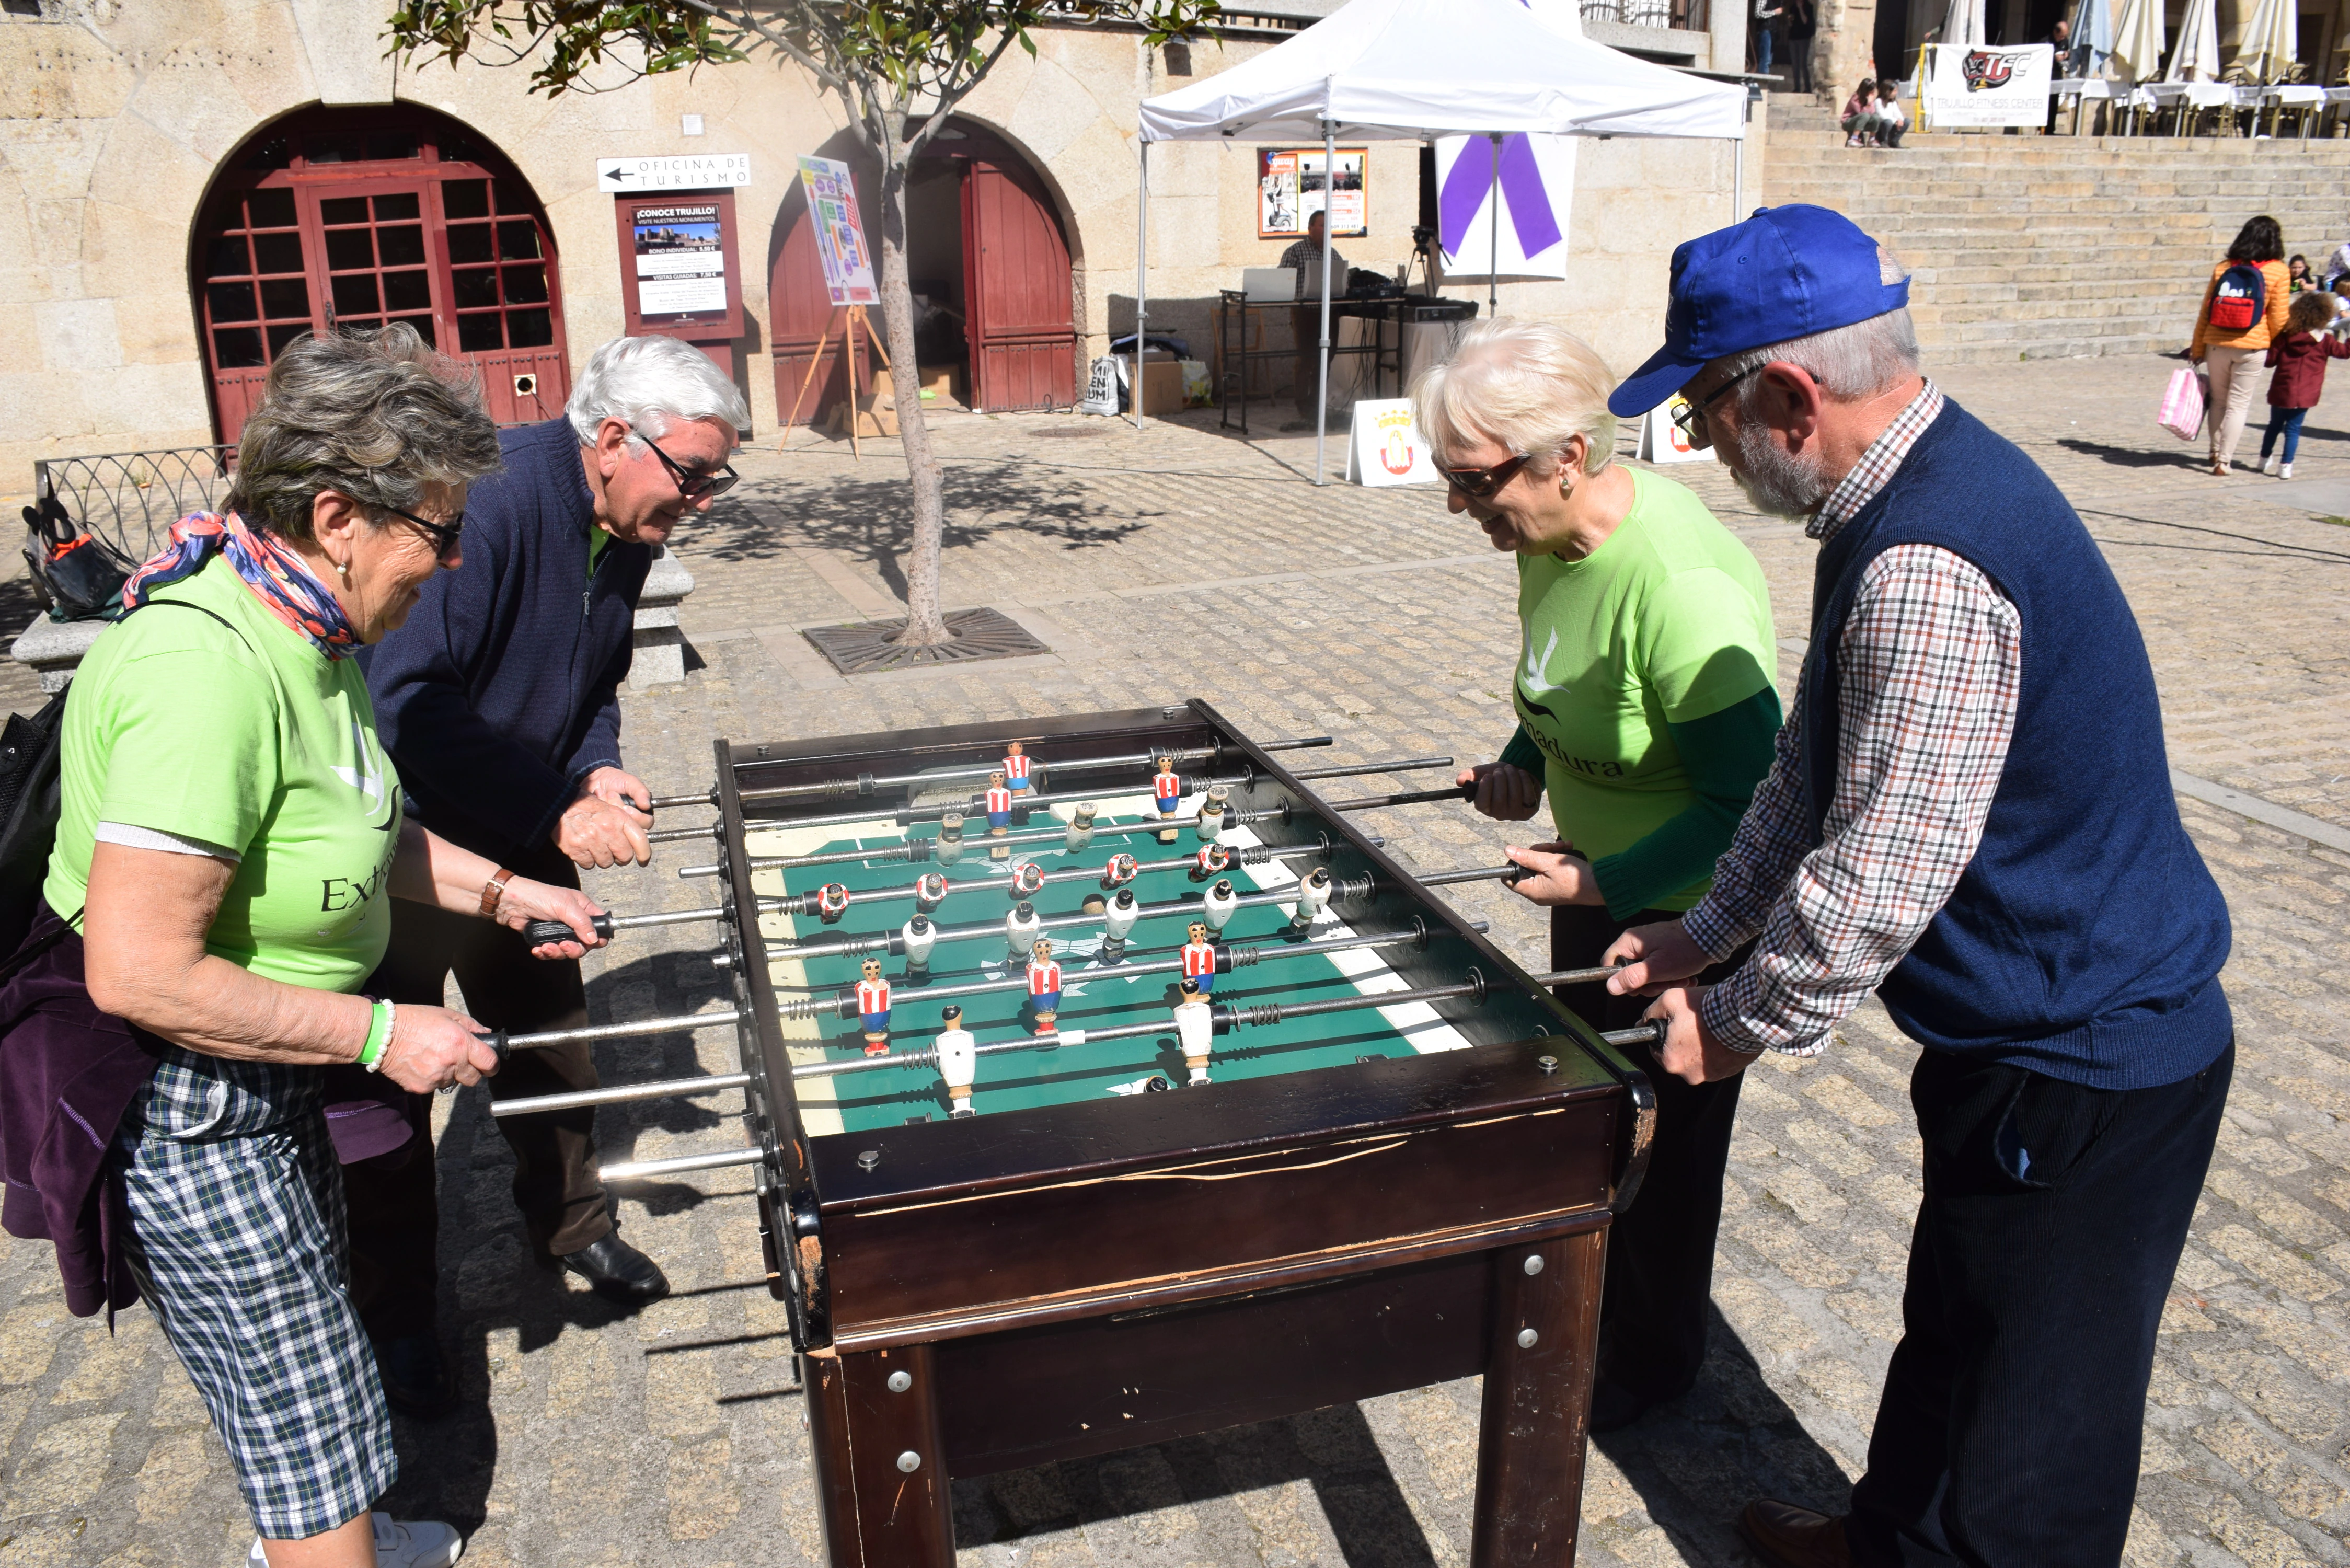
1985,87
840,234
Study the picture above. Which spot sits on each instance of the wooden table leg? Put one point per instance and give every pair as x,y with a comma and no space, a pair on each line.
1545,1330
873,1418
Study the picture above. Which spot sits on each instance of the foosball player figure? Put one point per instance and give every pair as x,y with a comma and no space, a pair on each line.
1195,1028
1081,829
1044,985
930,891
1118,917
1211,860
831,902
1015,766
1200,958
873,1008
1312,898
1219,904
950,838
1214,816
957,1060
921,936
1021,929
1028,877
999,815
1167,789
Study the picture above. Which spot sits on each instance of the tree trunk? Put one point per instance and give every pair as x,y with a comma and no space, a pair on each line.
924,624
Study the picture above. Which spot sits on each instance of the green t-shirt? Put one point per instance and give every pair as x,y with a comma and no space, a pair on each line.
250,739
1666,622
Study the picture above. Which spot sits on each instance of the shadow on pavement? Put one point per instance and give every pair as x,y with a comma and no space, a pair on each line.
2187,455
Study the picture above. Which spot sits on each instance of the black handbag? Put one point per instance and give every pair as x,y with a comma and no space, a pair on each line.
82,575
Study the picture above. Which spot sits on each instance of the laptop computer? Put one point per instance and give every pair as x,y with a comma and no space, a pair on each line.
1269,284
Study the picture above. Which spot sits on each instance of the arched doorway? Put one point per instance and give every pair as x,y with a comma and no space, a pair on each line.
990,264
350,218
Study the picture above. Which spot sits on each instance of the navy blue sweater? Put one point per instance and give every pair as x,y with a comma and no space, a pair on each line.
2084,938
502,690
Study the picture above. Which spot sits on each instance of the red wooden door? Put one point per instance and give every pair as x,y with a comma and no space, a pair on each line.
1020,318
803,312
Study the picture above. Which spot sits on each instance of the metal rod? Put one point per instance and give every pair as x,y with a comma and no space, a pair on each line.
675,1024
905,851
673,917
643,1170
681,834
1355,770
1474,874
1408,797
1648,1033
1253,856
663,1089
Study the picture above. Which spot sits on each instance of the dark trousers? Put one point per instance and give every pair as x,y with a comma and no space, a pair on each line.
1305,330
1660,1279
2285,423
394,1215
2052,1223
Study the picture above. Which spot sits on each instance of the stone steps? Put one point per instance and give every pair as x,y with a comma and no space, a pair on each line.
2034,246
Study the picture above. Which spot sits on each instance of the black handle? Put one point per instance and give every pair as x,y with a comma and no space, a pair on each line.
497,1040
538,933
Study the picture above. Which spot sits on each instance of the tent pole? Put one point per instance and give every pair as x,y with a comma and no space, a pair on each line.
1329,222
1737,178
1141,274
1494,257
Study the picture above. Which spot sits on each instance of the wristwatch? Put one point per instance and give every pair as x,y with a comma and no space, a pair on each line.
493,890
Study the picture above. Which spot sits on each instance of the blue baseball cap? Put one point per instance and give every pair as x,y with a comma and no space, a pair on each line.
1787,272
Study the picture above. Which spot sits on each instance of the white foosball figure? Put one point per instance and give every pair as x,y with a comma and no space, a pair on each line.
1200,958
1021,929
873,1009
1211,828
1220,904
1312,898
1081,829
919,937
950,838
1195,1028
1044,985
957,1060
1118,917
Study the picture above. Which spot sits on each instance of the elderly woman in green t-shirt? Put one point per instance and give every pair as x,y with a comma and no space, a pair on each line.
230,837
1646,713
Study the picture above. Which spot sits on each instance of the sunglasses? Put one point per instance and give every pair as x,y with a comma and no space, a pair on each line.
445,534
1690,420
691,483
1479,483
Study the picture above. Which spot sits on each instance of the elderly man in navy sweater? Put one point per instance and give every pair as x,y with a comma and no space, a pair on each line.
499,703
1971,815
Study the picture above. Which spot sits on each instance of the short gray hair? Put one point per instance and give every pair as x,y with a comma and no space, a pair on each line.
376,415
1850,363
1530,385
645,382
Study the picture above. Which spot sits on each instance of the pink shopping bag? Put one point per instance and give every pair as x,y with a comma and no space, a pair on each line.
2182,405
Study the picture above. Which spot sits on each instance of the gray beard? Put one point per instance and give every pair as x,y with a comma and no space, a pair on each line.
1777,483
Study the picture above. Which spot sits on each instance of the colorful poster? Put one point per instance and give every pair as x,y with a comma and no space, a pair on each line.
1290,190
1985,87
839,233
1386,447
680,261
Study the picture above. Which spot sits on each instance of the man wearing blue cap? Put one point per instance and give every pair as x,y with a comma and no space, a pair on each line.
1970,813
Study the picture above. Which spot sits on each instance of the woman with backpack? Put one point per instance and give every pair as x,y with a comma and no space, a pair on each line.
229,838
2243,310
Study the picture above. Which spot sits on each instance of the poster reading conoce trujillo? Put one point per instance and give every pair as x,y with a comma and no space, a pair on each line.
1290,190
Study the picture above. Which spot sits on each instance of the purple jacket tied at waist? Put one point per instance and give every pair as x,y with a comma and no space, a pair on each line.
67,1071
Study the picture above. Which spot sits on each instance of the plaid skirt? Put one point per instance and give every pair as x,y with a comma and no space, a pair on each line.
237,1243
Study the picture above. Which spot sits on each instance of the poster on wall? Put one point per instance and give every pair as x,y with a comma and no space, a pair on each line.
681,260
1290,189
1984,87
839,232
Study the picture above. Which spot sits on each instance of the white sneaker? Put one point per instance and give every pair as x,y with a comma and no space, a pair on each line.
2270,468
399,1543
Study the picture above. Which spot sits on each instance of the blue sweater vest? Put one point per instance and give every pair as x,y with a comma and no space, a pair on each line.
2084,938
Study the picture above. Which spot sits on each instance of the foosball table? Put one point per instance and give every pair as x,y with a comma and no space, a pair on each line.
1104,1084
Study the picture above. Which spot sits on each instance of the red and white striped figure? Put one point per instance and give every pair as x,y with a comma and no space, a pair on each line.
1200,958
831,902
873,1008
1028,877
1210,861
1044,984
1015,766
999,815
930,891
1120,870
1167,789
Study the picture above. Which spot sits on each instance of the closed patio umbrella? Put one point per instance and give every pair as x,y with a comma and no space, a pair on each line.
2195,57
2092,40
2138,41
2271,41
1963,23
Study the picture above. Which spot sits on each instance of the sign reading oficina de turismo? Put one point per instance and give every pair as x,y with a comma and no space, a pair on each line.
685,171
840,234
1982,87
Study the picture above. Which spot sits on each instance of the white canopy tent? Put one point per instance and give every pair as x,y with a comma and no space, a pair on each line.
1412,71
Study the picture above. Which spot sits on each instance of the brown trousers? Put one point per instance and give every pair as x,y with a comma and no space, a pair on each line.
395,1219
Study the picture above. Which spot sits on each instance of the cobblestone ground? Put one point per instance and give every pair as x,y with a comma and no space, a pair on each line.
1182,563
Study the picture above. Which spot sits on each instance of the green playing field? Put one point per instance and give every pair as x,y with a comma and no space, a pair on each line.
1094,995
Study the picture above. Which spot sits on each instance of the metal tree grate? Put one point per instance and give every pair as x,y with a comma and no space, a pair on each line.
973,635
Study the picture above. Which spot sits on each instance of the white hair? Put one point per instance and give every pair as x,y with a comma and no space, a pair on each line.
1531,385
1850,363
645,382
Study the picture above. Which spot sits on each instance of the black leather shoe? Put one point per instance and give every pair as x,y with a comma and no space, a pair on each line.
415,1375
618,1272
1786,1536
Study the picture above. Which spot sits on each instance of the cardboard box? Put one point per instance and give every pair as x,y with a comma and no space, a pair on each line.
1163,385
942,384
877,415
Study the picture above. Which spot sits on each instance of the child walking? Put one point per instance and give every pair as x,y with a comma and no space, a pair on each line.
2299,353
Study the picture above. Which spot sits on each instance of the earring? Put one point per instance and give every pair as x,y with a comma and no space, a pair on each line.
343,570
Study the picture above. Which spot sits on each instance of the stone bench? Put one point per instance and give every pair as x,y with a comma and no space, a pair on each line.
54,649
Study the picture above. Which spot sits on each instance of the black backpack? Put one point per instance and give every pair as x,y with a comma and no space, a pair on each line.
2240,298
82,575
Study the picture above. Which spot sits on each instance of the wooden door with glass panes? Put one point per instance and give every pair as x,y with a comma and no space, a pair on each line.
350,230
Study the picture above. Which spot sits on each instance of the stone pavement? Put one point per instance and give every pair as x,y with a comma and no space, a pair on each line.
1180,563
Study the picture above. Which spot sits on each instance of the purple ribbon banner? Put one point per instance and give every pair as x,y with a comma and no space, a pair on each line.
1521,186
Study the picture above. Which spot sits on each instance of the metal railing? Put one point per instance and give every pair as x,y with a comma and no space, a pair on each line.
1682,15
131,499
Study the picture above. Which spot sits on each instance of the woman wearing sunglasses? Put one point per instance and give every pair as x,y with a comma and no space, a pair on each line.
1646,714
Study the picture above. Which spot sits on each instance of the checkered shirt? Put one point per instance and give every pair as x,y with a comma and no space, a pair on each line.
1928,667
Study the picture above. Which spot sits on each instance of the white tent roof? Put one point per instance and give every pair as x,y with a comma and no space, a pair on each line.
1410,69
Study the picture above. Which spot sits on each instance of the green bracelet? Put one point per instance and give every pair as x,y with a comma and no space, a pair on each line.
379,1038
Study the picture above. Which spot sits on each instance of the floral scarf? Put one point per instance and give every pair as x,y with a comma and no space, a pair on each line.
276,573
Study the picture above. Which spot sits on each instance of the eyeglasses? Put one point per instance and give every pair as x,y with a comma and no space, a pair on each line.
445,534
691,483
1479,483
1690,420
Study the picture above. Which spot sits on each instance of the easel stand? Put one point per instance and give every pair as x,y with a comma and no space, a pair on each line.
845,318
